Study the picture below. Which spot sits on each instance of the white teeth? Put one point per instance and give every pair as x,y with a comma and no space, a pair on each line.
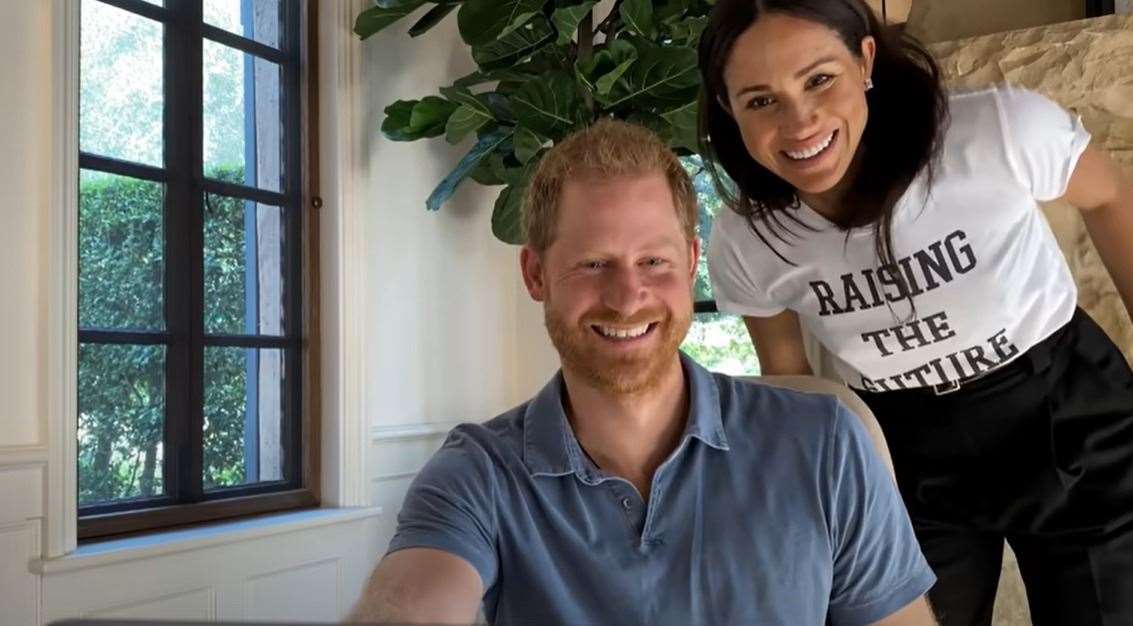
810,152
623,333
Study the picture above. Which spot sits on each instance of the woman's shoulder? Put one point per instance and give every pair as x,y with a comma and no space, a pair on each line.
1000,110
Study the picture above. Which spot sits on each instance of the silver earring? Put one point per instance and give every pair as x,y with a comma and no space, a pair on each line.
868,84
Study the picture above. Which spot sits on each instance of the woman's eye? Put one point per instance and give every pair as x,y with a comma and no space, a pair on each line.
819,80
760,102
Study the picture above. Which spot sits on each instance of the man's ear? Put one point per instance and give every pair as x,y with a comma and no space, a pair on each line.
694,257
531,265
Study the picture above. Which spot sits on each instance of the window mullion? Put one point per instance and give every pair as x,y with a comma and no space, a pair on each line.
184,244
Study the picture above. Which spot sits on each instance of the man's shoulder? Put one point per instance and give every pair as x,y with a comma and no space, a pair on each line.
501,435
778,401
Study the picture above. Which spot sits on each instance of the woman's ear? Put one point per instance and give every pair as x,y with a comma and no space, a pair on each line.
868,53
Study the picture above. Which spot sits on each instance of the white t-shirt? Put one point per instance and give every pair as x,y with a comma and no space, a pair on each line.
988,278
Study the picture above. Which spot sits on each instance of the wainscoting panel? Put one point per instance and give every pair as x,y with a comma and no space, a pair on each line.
21,492
272,596
19,589
193,604
313,573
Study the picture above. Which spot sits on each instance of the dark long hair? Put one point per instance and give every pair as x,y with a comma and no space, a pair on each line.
908,112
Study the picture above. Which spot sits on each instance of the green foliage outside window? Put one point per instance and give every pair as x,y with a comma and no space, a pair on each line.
122,388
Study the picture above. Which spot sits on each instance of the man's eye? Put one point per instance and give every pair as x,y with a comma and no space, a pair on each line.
655,261
594,265
819,80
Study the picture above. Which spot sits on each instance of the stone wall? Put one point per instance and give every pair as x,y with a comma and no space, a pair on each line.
946,20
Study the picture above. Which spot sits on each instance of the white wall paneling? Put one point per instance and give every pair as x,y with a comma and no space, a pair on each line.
343,276
19,590
271,596
313,570
61,340
193,604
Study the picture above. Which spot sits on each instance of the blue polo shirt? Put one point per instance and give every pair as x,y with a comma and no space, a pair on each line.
773,509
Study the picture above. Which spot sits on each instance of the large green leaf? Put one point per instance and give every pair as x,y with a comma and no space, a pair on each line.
601,72
396,124
520,21
638,16
463,96
549,106
463,122
670,10
432,18
395,4
567,19
514,46
376,18
485,146
528,143
430,115
507,215
682,122
482,21
409,120
687,31
661,77
490,170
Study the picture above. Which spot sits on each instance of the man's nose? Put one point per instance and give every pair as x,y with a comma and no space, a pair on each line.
624,291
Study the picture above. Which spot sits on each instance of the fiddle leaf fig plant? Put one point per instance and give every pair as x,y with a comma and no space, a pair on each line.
544,69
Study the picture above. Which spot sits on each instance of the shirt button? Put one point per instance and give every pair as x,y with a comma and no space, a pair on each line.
627,504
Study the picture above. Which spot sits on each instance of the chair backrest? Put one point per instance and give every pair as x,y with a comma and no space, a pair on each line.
814,384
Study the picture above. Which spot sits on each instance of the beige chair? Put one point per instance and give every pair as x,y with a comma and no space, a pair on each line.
1011,599
814,384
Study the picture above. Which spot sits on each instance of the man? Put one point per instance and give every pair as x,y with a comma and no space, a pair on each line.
636,487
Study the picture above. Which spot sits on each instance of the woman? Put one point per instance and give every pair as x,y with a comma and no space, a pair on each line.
900,226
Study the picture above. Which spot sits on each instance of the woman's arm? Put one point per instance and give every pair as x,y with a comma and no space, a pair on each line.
779,343
1105,198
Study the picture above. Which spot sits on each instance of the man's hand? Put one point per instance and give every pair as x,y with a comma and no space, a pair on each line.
916,613
421,586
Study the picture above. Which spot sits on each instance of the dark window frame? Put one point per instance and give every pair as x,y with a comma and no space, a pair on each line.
184,501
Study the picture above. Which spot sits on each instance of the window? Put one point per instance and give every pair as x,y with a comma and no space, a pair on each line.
193,235
718,341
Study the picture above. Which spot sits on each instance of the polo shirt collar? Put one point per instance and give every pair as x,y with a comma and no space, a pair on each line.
551,449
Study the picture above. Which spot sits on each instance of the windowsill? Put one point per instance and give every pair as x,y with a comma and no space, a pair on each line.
173,541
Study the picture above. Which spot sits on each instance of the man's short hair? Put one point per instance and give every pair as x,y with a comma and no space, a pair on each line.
608,147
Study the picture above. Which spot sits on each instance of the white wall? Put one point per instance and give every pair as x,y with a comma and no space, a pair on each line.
25,194
450,334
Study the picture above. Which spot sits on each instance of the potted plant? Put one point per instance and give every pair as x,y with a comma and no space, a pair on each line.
545,68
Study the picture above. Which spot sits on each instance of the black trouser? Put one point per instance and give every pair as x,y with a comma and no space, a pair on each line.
1040,453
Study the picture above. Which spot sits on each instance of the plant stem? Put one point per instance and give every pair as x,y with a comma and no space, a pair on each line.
586,37
586,50
614,16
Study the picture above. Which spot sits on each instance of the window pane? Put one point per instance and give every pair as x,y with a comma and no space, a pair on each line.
121,256
254,19
121,422
242,129
120,85
720,343
709,204
244,279
243,437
